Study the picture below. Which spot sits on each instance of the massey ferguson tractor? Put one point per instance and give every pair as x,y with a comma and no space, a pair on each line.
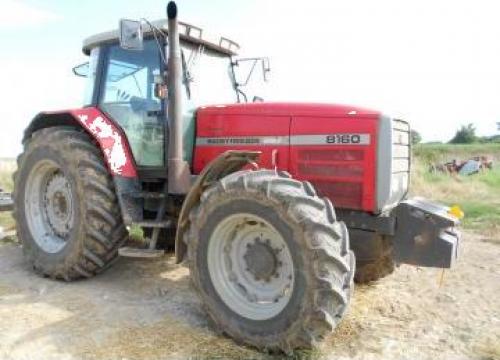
275,207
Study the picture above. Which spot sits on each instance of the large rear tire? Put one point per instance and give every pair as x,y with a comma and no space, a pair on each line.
269,260
67,215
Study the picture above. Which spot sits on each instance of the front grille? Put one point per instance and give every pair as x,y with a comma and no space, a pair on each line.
343,194
336,155
338,170
337,174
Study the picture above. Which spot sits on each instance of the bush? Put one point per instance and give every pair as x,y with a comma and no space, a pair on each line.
416,138
465,135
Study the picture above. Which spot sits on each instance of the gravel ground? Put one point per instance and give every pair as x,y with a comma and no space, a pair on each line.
147,310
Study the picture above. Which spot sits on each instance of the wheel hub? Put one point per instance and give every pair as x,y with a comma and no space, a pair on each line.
251,266
58,204
261,259
49,205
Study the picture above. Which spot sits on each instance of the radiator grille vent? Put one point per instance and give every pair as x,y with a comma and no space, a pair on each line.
344,194
337,174
339,170
337,155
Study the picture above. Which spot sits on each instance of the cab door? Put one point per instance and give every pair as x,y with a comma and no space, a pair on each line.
127,97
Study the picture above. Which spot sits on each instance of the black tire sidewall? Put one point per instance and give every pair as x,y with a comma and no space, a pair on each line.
282,321
69,254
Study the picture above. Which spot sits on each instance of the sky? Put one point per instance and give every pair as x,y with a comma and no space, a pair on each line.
435,63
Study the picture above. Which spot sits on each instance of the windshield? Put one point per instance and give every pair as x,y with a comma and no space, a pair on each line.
207,74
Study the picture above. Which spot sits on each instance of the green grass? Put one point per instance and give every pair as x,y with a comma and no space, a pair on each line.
433,153
478,195
136,233
480,215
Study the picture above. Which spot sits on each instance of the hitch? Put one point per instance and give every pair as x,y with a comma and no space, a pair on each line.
426,234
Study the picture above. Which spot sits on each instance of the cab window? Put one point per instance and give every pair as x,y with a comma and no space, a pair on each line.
128,98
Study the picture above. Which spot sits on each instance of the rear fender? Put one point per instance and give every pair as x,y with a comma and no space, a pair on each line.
225,164
113,144
105,132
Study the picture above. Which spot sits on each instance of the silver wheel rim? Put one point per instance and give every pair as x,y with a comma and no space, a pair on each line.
49,206
250,266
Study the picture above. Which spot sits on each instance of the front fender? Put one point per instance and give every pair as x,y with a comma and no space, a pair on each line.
225,164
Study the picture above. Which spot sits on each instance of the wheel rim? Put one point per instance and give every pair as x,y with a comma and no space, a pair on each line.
49,206
250,266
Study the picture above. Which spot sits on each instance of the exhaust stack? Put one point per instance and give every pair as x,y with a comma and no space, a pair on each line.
179,174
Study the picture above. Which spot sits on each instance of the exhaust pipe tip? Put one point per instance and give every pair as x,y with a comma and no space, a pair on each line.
172,10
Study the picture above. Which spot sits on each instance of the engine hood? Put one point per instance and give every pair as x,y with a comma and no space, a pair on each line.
289,109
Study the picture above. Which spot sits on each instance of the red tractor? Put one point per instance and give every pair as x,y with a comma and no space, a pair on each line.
244,192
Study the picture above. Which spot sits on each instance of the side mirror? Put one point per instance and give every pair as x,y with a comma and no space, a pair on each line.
131,36
82,70
266,68
252,63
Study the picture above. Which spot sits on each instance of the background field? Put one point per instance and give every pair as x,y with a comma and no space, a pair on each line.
478,195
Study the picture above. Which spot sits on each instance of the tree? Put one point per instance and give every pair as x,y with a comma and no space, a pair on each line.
415,137
465,135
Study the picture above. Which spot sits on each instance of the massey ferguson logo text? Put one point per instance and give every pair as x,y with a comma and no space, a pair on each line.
233,141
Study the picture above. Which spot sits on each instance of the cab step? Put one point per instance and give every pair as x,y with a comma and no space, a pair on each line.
137,253
155,224
148,195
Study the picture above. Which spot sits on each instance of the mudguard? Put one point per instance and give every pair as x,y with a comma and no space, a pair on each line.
113,144
425,234
225,164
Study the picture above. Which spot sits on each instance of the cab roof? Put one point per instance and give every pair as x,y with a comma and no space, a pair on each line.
188,33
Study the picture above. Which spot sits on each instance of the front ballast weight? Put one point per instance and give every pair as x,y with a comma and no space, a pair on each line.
425,234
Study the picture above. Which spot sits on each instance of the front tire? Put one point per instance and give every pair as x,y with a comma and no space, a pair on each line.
67,215
269,260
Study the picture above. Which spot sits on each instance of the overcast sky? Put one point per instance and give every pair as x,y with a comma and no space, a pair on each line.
435,63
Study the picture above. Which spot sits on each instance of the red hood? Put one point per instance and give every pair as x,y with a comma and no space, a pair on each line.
288,109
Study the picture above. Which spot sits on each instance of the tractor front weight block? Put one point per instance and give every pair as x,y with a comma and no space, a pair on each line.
425,235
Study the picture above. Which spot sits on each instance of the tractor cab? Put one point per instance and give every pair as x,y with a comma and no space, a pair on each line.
128,85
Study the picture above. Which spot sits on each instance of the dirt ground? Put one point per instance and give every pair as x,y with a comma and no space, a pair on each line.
147,310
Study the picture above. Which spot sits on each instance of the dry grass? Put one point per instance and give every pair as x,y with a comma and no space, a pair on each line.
488,350
178,340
